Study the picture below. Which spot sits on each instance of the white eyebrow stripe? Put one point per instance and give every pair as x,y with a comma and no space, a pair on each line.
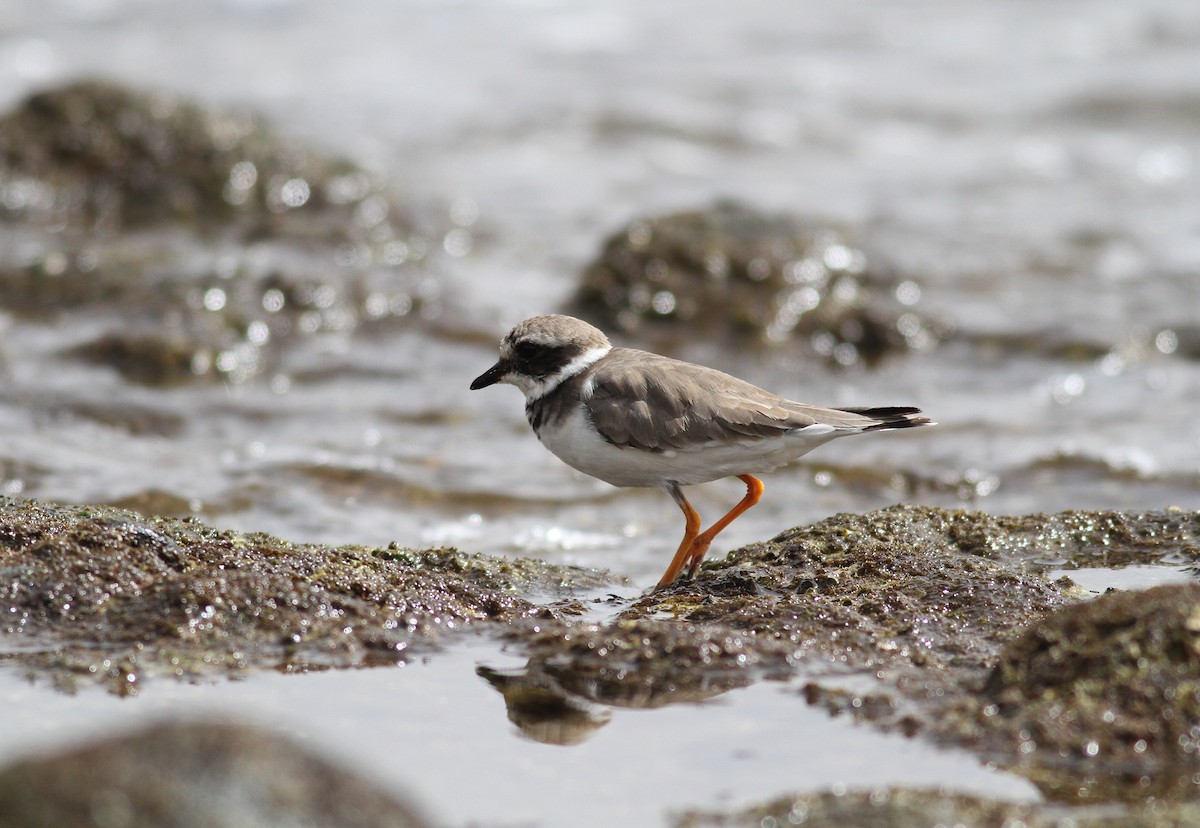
580,363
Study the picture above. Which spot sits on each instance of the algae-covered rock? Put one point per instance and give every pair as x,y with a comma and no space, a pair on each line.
101,593
97,156
1091,699
927,597
907,585
197,242
1111,686
194,775
911,591
1094,700
945,619
886,589
902,808
576,671
731,271
641,662
1077,538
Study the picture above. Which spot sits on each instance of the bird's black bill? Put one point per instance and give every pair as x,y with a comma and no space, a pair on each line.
491,376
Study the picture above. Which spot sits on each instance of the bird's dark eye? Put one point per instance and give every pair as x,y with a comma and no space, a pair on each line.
526,350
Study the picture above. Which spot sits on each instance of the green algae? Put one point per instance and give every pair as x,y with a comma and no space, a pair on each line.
908,585
1110,688
1091,699
922,596
943,622
903,808
99,593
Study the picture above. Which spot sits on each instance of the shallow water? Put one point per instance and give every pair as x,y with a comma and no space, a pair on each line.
437,732
1098,580
1034,168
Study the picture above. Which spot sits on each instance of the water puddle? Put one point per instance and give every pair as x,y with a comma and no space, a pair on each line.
437,733
1100,579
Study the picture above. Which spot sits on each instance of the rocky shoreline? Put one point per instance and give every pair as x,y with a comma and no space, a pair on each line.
1094,699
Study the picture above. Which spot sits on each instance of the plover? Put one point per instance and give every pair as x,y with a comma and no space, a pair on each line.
634,418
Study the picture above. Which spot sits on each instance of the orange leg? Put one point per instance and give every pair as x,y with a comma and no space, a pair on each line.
695,544
691,530
754,491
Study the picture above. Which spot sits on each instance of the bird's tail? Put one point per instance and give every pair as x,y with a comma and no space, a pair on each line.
891,417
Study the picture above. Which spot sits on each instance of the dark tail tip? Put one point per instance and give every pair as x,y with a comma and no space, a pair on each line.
892,417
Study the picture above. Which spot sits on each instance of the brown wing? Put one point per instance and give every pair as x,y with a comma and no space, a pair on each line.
652,402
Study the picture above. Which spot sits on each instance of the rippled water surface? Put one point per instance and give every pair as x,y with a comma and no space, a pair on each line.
1032,167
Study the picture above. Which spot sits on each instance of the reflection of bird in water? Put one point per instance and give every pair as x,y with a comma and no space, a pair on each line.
575,675
543,710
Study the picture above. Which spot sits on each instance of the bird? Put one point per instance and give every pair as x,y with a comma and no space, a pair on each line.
634,418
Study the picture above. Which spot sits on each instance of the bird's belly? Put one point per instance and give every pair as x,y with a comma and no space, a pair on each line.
578,445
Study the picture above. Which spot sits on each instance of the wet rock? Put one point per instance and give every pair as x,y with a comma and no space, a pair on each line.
190,775
233,325
732,272
206,242
158,502
934,605
1092,700
926,597
1112,687
124,415
641,662
97,156
944,618
150,359
901,808
906,585
904,589
1076,538
577,671
96,593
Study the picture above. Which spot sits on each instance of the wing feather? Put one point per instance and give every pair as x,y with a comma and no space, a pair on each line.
655,403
